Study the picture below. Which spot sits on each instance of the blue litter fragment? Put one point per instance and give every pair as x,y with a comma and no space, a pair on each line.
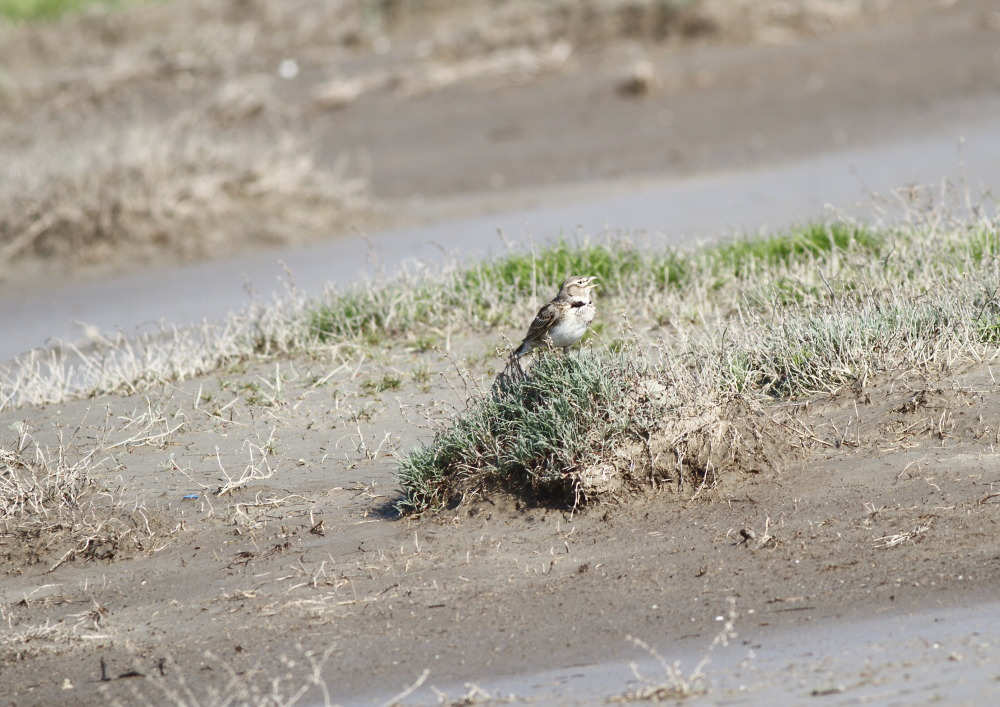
190,496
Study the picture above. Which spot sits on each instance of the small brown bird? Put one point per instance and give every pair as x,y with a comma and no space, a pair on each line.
564,320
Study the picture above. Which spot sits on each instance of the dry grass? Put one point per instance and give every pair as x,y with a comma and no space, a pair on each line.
152,195
284,681
259,466
118,364
900,538
27,642
215,167
35,481
53,508
675,684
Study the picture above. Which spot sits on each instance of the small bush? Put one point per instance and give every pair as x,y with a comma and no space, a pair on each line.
540,433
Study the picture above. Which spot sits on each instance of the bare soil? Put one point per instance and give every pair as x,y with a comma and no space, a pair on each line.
878,501
884,499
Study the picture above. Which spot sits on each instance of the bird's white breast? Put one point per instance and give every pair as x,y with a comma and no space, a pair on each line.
572,328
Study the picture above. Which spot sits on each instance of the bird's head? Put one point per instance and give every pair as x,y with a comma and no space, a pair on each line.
578,285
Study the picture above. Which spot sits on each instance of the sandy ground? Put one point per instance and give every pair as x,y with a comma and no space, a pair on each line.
300,575
883,504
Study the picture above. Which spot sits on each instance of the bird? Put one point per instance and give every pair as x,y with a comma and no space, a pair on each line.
563,321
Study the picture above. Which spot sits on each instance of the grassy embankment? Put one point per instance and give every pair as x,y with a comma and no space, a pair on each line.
810,311
683,339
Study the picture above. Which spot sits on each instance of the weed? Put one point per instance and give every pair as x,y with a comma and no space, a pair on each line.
388,381
258,468
296,679
674,684
47,507
422,374
251,393
35,481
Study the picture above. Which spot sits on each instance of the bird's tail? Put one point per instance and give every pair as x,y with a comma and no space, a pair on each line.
514,360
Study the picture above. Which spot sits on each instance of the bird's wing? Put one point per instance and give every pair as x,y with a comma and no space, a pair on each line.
544,320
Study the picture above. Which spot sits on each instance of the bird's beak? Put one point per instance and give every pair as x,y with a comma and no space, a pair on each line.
592,283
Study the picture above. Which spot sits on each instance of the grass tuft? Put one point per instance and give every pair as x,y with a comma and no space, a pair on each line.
540,433
50,510
386,382
37,482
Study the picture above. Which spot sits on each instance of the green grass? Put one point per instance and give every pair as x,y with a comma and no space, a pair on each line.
40,10
745,256
522,274
488,291
979,245
485,294
388,381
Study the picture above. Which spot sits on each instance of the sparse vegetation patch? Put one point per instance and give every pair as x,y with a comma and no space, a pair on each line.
549,433
35,481
811,311
50,512
146,192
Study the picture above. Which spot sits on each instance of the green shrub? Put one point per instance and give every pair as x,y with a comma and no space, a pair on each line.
536,433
